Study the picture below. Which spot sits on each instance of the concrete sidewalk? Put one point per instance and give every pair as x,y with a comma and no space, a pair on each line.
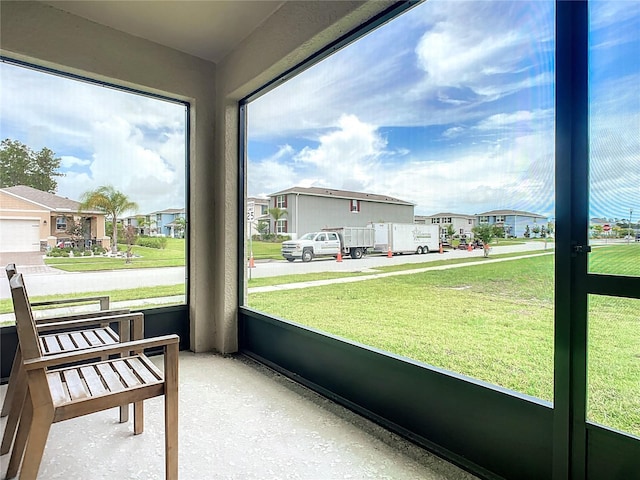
319,283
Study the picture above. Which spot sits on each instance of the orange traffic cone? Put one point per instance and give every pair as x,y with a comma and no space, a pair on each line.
389,252
251,262
469,248
441,249
339,257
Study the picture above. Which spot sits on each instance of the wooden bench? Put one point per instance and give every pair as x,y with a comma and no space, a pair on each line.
60,334
69,392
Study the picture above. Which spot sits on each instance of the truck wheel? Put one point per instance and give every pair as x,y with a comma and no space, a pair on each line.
290,259
425,249
356,253
419,251
307,255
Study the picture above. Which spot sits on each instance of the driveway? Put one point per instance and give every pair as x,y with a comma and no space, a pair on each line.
21,259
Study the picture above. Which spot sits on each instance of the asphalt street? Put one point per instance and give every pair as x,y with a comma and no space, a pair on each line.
44,280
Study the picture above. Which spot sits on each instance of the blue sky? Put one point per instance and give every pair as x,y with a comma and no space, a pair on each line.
451,106
103,136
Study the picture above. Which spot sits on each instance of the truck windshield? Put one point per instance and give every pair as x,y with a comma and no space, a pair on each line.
308,236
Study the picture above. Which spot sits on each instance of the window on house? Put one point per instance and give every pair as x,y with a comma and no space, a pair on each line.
499,218
281,226
354,206
61,224
281,201
140,151
481,94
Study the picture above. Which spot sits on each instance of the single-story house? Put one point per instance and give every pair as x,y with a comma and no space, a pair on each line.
462,223
514,222
32,220
314,208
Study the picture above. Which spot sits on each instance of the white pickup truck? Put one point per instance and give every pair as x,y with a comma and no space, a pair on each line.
353,241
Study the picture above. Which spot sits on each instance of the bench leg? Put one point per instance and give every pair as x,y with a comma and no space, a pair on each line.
171,411
8,398
18,403
21,438
38,432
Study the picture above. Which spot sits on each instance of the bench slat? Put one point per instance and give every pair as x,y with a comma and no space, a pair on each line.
94,383
141,370
50,344
92,338
79,340
58,391
126,374
75,385
110,377
107,336
65,341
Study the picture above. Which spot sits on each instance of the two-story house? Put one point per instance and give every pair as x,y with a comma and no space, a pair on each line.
514,222
462,223
314,208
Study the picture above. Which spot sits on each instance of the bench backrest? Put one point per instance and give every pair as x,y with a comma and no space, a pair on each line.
27,333
11,270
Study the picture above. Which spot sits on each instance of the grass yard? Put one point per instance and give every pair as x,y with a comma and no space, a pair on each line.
144,257
491,322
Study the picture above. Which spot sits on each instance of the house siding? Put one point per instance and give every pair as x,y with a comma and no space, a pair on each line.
307,213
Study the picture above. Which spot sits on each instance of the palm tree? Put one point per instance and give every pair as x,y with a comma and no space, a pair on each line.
112,202
277,213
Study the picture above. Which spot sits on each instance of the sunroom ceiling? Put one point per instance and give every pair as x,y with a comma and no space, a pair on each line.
208,29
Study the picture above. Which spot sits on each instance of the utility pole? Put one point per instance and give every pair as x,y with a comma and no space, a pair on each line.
629,235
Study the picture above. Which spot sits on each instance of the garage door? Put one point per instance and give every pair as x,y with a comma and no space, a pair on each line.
19,235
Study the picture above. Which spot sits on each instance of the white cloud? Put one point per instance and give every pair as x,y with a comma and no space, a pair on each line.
67,161
103,136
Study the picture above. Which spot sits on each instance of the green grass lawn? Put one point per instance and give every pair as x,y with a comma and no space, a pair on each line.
144,257
492,322
264,250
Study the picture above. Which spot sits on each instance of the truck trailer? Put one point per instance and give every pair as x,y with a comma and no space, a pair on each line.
405,238
353,241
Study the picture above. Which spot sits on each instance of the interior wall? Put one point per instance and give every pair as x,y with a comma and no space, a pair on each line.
44,36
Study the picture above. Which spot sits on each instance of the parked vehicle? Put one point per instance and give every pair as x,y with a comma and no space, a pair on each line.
353,241
406,238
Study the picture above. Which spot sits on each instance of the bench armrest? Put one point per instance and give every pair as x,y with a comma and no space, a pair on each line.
115,349
104,301
79,316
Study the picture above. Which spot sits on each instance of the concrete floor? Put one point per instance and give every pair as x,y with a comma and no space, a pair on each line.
238,420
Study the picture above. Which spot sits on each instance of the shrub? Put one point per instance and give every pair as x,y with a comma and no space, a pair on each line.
152,242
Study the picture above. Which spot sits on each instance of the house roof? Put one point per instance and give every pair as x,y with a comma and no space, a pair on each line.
449,214
329,192
47,200
519,213
169,211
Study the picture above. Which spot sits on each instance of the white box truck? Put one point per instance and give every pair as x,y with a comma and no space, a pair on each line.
406,238
353,241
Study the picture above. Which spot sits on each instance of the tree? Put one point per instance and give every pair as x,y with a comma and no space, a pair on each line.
450,231
484,232
111,202
535,230
180,226
277,214
76,229
19,165
263,227
527,232
130,236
